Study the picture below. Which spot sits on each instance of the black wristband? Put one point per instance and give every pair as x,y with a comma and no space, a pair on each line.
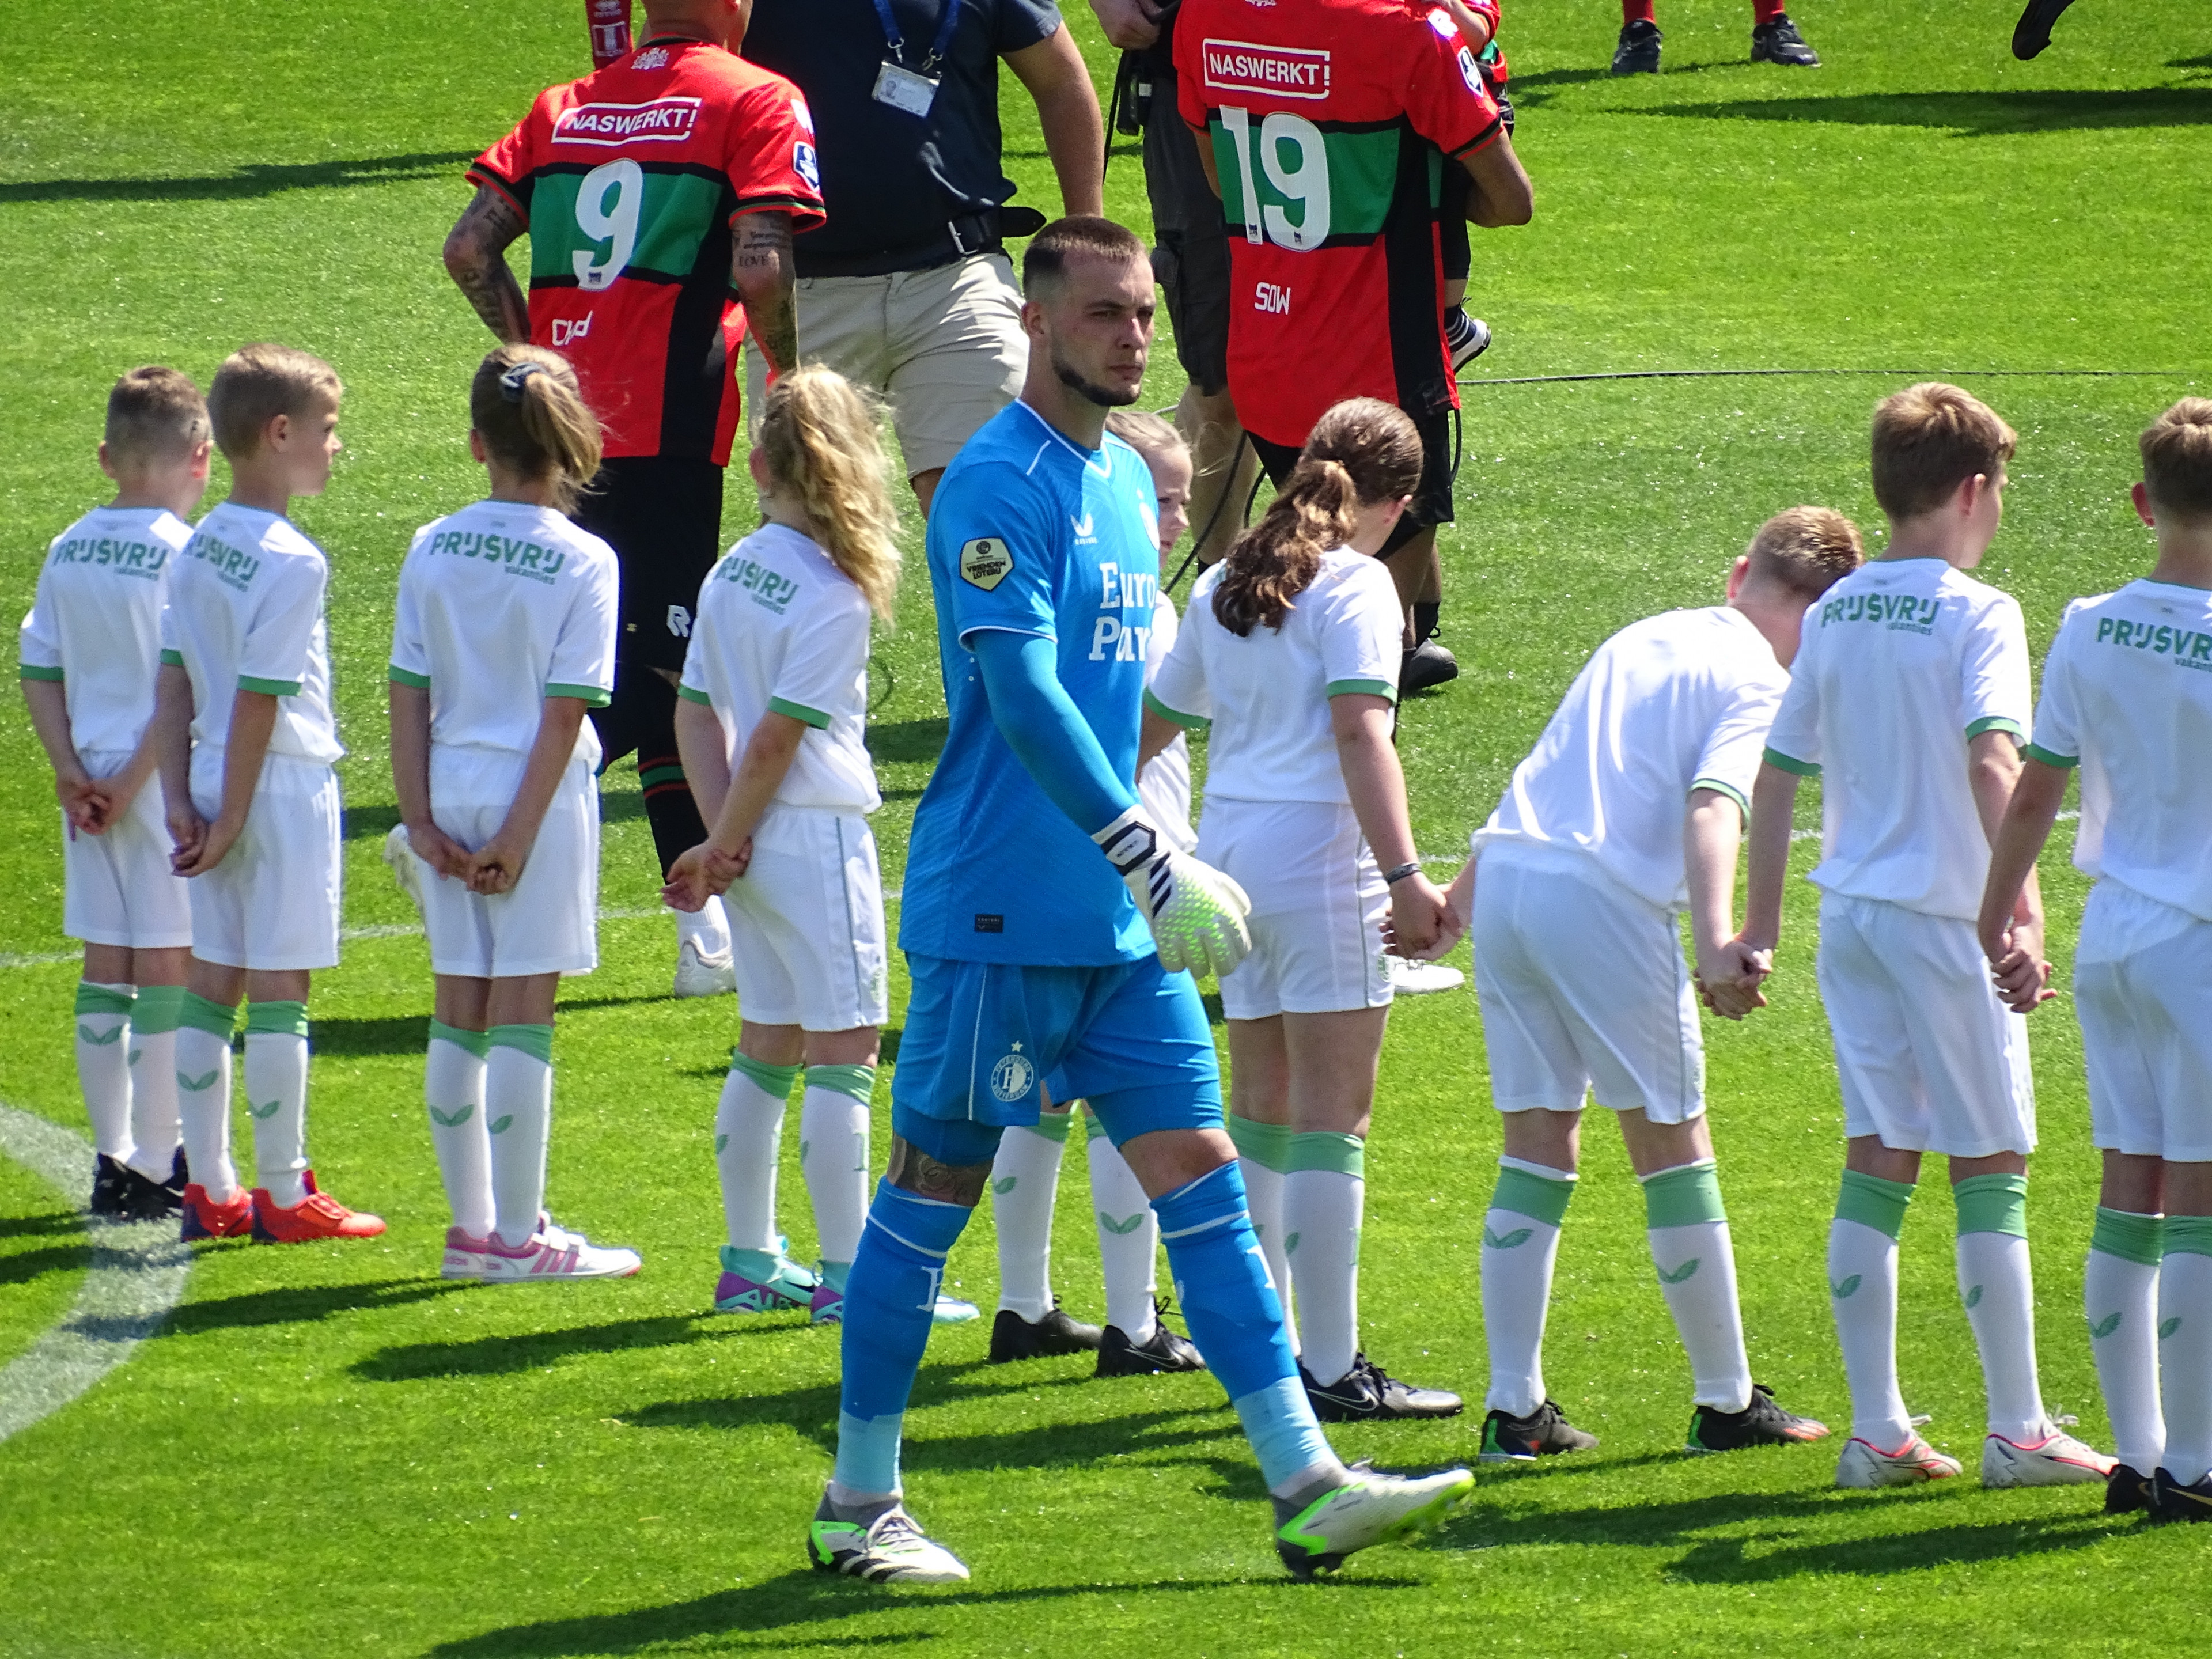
1392,878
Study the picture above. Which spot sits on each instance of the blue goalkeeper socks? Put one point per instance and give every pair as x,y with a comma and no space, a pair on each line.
1236,1320
891,1292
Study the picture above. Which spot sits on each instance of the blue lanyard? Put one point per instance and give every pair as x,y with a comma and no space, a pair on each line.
896,41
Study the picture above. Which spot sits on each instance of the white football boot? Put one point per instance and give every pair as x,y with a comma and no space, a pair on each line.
2056,1459
1865,1465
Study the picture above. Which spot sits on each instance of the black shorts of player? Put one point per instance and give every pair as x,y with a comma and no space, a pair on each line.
662,514
1190,261
1432,496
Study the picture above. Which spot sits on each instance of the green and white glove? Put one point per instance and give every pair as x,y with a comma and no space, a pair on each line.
1195,912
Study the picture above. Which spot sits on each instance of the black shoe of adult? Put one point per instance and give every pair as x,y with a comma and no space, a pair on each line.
1544,1432
2127,1491
1163,1351
1426,665
1779,42
1762,1423
2033,32
1368,1394
180,1172
111,1188
2172,1501
1013,1337
1638,50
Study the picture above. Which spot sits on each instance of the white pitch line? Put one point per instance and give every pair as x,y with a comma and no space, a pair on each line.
138,1275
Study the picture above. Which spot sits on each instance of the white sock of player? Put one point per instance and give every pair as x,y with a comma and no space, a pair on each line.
1690,1248
518,1123
1263,1151
1128,1235
453,1089
1999,1292
1862,1297
1519,1244
748,1130
204,1094
2184,1349
1324,1194
103,1063
276,1094
2119,1294
706,929
152,1041
833,1154
1024,1181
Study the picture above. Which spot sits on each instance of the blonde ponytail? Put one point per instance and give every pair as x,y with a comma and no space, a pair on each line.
527,407
1362,451
822,437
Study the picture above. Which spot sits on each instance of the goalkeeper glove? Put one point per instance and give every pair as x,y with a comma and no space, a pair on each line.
1195,912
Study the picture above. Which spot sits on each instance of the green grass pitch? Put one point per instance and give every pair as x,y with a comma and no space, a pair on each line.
326,1449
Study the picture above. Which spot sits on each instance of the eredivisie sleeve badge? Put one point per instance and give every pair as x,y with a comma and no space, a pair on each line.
985,562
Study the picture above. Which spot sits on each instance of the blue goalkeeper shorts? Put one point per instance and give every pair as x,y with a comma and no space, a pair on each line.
1130,1038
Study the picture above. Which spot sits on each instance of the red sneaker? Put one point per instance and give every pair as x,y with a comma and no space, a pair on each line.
316,1215
205,1218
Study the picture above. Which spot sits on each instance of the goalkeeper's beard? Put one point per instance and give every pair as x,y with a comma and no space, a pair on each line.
1104,397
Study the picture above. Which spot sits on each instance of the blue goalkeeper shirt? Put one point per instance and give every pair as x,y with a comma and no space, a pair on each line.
1033,534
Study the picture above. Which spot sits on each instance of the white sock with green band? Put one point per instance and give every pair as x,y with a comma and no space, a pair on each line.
833,1154
748,1129
153,1040
103,1063
2119,1294
1128,1234
277,1096
519,1121
203,1093
1520,1242
1024,1181
1695,1259
453,1090
2184,1346
1863,1296
1999,1292
1263,1151
1324,1195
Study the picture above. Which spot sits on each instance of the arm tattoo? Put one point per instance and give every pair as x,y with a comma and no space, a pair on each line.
761,264
476,257
915,1172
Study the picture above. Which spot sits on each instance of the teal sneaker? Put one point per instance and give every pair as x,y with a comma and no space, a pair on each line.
1369,1509
755,1282
890,1549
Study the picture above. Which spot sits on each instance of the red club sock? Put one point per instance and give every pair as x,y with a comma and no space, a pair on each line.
1637,11
1764,12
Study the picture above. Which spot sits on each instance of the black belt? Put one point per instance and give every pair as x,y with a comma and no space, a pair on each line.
961,239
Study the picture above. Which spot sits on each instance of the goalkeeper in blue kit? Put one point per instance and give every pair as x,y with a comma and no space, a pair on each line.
1048,924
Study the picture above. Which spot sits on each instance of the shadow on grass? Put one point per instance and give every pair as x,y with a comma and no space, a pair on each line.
504,1356
782,1606
1971,114
23,1265
44,1224
299,1305
364,1038
254,179
902,741
1727,1561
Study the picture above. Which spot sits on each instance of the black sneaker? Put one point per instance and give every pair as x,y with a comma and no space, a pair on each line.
111,1188
1762,1423
1638,50
2033,32
1427,665
1163,1351
2172,1501
180,1172
1013,1337
1466,338
2127,1491
1779,42
1543,1433
1368,1394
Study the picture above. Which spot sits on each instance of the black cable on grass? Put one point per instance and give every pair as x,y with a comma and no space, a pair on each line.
1886,373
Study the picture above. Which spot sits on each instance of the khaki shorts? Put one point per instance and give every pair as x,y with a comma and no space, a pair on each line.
943,346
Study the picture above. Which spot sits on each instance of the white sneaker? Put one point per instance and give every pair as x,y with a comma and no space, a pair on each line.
554,1252
889,1550
406,869
1864,1464
1415,979
464,1256
698,975
2056,1459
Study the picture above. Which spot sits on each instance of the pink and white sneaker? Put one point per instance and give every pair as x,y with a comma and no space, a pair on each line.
2056,1459
554,1252
1864,1464
465,1255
